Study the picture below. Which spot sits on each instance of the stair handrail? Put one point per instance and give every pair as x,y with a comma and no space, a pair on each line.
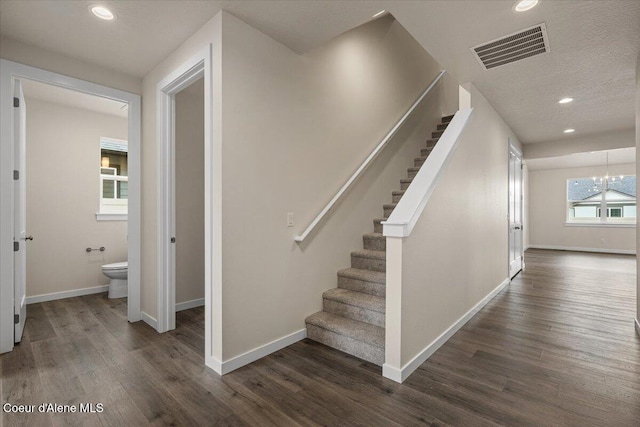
408,210
368,160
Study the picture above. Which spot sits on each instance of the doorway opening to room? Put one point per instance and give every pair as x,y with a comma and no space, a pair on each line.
190,209
516,199
73,147
189,214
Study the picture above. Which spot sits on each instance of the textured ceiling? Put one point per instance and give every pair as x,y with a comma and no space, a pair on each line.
71,98
594,46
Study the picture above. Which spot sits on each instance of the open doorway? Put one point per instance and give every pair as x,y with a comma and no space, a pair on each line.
516,233
75,179
13,187
189,213
197,68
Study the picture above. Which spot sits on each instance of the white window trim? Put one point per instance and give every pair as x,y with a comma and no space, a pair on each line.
105,213
111,216
601,224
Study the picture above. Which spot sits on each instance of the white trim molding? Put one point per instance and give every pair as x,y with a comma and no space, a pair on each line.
149,320
400,375
9,72
260,352
600,224
200,65
637,326
581,249
67,294
111,217
186,305
197,67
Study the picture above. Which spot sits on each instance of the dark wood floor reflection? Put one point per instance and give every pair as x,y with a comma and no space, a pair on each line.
557,347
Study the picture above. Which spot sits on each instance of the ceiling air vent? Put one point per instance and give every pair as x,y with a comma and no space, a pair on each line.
514,47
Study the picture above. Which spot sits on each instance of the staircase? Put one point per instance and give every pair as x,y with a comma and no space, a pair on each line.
353,316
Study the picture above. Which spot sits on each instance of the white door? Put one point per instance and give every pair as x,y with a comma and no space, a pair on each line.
516,250
20,206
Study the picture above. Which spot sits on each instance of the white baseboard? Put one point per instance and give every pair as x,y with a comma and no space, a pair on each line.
637,326
213,365
580,249
399,375
149,320
258,353
67,294
189,304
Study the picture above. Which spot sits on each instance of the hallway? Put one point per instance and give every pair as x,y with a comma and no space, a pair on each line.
557,347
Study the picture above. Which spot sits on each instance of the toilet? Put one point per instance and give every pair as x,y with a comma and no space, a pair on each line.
117,272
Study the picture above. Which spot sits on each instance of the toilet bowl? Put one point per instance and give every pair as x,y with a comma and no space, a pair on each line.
117,272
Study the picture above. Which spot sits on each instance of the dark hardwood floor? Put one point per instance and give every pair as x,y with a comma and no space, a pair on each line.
557,347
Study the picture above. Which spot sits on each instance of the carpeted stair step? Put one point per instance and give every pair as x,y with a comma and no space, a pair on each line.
359,339
354,305
404,183
419,161
369,260
374,242
365,281
353,319
424,152
377,224
388,208
396,196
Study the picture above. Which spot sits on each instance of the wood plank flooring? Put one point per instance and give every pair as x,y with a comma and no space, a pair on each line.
557,347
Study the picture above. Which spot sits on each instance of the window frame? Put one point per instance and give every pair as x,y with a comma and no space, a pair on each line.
111,209
600,220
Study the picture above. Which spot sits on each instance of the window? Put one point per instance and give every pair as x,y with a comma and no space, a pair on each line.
113,179
602,200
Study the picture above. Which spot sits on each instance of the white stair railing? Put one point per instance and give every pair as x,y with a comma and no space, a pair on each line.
415,198
368,160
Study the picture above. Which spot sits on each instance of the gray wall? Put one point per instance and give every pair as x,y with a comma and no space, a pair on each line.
458,251
190,193
548,213
293,129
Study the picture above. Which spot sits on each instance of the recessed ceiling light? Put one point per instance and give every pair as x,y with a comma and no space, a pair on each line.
569,130
524,5
102,13
379,13
565,100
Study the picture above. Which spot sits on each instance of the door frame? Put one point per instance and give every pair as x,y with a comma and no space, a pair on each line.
511,147
19,211
188,72
9,71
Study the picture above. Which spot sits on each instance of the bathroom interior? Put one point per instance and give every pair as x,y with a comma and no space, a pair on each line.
76,206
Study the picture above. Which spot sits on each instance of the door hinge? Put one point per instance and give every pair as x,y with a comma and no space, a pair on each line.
16,102
16,175
16,246
16,318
